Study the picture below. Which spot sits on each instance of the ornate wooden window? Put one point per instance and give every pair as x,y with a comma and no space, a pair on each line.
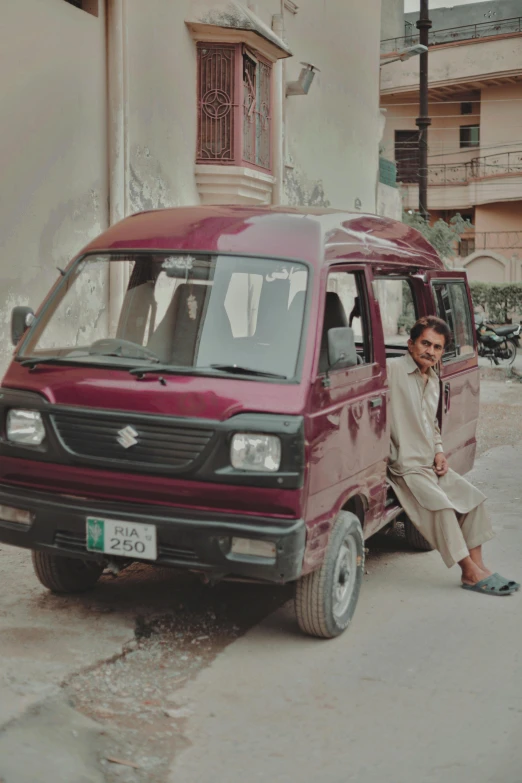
234,89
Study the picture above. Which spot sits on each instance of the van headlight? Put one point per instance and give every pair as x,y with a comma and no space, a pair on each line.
261,453
25,427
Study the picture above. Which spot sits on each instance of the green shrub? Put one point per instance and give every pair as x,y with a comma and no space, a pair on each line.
498,300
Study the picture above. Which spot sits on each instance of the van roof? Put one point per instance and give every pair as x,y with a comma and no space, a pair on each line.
319,236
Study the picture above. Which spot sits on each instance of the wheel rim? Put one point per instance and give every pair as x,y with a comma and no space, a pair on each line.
344,576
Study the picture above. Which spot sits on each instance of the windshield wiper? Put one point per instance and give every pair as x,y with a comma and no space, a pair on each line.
237,368
167,368
33,361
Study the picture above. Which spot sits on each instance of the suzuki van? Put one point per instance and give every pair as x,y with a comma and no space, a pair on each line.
205,388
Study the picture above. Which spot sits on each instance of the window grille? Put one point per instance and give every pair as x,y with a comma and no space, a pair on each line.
234,89
216,88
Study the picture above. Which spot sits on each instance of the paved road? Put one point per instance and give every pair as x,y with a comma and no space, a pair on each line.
425,686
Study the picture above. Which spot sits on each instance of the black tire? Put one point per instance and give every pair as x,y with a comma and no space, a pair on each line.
66,574
511,348
414,538
319,612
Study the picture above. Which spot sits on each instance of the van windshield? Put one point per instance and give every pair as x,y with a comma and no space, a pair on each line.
176,310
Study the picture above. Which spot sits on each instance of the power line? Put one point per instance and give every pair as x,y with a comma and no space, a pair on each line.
463,100
461,150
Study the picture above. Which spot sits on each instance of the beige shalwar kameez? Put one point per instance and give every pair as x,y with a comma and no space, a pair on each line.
448,511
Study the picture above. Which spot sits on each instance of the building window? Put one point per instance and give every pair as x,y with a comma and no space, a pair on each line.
407,155
470,136
466,247
90,6
466,107
234,87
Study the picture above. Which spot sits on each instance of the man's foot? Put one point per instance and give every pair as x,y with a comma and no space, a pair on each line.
472,573
493,585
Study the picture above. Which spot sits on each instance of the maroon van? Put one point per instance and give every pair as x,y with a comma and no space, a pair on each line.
224,409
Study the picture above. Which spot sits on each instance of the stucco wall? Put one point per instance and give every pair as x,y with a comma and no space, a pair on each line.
392,19
333,132
53,98
501,121
453,63
53,155
161,105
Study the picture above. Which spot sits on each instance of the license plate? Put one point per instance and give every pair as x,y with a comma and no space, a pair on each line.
124,539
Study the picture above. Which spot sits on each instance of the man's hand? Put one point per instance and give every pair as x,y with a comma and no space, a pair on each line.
440,465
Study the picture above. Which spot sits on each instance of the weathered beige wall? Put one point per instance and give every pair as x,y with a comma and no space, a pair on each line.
457,62
333,132
53,99
501,122
161,105
53,155
392,19
444,133
499,217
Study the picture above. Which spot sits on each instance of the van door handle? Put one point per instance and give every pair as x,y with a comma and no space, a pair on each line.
376,402
447,397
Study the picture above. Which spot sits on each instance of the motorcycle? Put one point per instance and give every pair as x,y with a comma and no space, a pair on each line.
498,343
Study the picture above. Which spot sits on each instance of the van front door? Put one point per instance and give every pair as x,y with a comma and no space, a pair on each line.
348,433
459,373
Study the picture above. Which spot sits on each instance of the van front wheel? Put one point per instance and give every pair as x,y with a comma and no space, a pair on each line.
325,600
65,574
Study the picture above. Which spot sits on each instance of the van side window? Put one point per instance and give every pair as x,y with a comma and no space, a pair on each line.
346,305
398,312
451,300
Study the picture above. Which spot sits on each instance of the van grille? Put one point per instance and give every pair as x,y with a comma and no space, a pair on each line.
161,445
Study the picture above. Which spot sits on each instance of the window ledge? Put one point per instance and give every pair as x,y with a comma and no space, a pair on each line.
230,22
233,185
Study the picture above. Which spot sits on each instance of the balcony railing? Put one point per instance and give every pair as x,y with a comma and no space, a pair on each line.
464,33
500,164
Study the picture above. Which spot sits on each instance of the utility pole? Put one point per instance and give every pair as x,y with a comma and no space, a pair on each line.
423,121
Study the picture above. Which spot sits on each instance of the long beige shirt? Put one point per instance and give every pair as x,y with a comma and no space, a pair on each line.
416,438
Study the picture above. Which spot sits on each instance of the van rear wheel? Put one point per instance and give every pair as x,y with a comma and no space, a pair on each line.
65,574
415,539
325,600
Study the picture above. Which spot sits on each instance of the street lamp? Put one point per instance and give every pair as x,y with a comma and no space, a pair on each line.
423,122
405,54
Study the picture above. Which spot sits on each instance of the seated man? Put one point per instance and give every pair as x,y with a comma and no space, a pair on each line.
447,510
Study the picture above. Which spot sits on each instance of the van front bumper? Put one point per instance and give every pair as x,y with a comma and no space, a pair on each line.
190,540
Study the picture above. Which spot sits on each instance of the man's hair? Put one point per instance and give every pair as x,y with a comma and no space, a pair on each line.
431,322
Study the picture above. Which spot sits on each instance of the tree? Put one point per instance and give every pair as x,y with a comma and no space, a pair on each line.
443,236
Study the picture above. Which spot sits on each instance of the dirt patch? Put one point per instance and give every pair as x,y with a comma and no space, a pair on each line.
140,694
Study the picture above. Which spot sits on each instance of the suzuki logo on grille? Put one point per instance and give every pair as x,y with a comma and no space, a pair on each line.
127,437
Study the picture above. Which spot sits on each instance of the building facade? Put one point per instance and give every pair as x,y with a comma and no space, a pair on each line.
475,140
117,106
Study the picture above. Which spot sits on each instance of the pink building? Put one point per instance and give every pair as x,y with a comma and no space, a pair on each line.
475,140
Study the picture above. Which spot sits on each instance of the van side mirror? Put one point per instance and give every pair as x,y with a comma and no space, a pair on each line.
21,319
341,347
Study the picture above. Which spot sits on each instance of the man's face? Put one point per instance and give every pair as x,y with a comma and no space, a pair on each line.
427,349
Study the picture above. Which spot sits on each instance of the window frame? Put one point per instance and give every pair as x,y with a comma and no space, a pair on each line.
403,279
454,355
358,273
235,93
469,144
59,291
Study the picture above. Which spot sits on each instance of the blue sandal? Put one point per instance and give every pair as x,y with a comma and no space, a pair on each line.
493,585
